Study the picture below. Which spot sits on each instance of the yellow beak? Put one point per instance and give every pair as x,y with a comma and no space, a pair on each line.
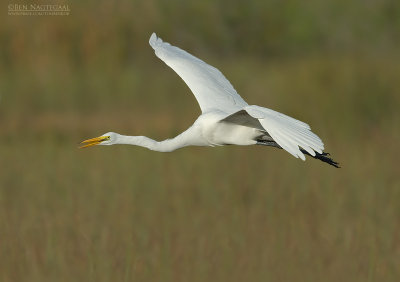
93,141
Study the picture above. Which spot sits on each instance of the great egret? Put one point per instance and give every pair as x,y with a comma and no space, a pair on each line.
226,118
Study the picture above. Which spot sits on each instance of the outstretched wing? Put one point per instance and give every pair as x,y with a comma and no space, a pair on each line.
288,132
210,87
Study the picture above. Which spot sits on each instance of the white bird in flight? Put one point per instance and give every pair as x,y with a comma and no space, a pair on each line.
226,119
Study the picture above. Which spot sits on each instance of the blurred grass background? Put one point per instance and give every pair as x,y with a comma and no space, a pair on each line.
199,214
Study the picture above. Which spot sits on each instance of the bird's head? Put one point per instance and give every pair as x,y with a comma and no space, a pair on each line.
108,138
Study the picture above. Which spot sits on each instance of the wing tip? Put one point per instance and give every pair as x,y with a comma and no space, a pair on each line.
154,40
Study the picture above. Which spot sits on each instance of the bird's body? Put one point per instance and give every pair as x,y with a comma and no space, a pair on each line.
226,118
212,131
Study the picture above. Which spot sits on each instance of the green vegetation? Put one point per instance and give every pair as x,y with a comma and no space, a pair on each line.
199,214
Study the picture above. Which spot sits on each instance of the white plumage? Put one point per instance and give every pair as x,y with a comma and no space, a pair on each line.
210,87
226,118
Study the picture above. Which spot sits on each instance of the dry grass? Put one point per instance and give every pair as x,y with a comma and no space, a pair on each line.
222,214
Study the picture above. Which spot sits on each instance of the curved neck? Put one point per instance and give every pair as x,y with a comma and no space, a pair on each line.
167,145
